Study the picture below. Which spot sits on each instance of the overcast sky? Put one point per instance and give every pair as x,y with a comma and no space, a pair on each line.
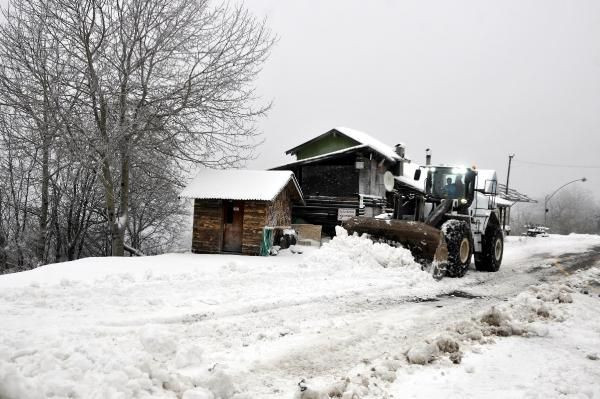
473,80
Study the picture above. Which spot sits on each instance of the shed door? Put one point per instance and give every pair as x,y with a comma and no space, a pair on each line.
233,218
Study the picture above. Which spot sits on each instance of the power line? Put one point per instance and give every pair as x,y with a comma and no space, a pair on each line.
556,165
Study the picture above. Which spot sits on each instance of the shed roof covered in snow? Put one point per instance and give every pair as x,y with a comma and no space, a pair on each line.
354,137
240,184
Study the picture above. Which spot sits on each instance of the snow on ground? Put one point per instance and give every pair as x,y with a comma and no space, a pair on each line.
521,247
225,326
558,359
542,343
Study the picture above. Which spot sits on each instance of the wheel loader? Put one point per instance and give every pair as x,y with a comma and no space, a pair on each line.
454,219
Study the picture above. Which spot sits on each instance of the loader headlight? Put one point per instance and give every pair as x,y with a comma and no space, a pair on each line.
463,201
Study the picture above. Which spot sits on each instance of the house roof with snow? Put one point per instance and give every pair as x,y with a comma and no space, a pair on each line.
342,138
317,158
241,184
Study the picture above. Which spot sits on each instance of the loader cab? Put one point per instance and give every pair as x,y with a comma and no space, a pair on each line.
451,182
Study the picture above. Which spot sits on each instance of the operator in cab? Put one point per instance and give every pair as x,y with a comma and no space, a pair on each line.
450,188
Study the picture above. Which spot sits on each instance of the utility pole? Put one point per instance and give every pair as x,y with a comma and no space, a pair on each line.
510,157
507,210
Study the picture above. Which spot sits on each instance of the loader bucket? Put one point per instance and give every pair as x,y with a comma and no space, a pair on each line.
427,244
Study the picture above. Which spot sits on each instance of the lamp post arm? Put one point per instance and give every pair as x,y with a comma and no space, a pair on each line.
548,198
558,189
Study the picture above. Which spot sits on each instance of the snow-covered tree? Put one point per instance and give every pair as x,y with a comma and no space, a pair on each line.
113,85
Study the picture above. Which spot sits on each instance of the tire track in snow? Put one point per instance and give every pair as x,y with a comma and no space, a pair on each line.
412,321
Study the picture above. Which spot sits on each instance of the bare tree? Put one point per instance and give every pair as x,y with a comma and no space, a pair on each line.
32,73
17,171
77,212
572,211
170,77
96,92
156,216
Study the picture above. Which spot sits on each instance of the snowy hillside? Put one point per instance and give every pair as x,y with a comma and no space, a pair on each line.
216,326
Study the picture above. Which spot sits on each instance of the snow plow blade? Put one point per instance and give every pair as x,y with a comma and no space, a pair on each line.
426,243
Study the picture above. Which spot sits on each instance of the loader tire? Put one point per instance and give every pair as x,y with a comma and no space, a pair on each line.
460,247
492,249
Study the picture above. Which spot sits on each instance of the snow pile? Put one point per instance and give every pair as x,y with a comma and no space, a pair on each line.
432,349
158,342
426,352
560,358
152,369
358,252
586,281
532,313
189,355
422,353
368,379
521,316
13,385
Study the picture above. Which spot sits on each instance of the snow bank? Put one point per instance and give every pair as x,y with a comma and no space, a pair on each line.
14,386
151,370
178,325
557,361
520,247
536,312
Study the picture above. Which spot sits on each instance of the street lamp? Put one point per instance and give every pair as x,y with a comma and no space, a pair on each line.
583,179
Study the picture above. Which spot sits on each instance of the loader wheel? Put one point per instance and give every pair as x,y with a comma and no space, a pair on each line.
492,250
460,247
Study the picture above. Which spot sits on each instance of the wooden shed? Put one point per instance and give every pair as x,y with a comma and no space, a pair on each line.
232,207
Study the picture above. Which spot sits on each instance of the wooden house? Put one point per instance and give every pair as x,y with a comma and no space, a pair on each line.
341,175
232,207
